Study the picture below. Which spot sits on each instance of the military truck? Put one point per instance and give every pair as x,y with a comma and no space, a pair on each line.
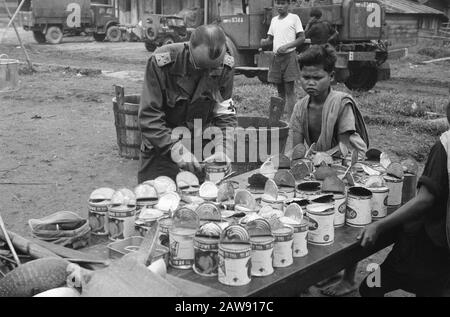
164,29
51,20
362,52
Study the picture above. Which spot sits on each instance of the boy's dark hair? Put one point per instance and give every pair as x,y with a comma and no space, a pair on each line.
316,55
316,13
210,35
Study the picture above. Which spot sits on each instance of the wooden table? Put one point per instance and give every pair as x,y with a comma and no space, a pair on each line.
321,263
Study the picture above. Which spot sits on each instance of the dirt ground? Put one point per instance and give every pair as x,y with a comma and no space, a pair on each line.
57,133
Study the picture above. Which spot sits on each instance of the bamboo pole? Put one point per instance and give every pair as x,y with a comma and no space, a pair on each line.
8,241
11,20
30,65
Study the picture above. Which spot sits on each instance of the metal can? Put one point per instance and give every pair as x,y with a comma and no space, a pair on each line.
321,224
395,186
288,192
262,255
121,222
282,250
275,204
340,209
98,206
307,189
164,226
216,172
300,245
379,202
359,211
181,247
235,264
206,249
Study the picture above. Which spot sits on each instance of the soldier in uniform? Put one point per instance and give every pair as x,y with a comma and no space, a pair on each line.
185,82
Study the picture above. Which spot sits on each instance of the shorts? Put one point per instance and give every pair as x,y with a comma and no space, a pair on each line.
284,68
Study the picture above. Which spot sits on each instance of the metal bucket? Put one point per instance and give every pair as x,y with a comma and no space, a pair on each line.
253,133
9,74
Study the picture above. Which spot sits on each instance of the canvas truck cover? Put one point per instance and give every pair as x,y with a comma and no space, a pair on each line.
70,13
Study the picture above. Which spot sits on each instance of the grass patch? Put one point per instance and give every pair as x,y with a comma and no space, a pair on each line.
435,51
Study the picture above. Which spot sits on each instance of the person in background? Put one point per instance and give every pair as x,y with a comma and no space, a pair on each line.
185,82
285,35
419,262
320,31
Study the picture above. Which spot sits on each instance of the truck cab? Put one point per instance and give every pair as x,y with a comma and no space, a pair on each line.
164,29
51,20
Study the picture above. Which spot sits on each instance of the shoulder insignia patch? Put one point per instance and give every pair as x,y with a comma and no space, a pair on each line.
228,61
162,59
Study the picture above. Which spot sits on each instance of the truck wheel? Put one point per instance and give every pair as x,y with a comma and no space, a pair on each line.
39,37
362,78
99,37
150,46
54,35
114,34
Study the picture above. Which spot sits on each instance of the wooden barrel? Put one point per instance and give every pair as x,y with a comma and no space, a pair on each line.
127,129
9,74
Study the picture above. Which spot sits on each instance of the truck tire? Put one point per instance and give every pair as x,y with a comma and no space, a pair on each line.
99,37
54,35
150,46
362,78
114,34
39,37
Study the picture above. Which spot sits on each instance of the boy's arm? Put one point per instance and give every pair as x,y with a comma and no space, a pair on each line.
300,37
433,187
294,44
267,42
412,210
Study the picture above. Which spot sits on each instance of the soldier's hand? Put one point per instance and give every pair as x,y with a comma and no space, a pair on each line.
184,158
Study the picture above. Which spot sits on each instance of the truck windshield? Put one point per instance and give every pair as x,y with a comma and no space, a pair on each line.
233,7
26,5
